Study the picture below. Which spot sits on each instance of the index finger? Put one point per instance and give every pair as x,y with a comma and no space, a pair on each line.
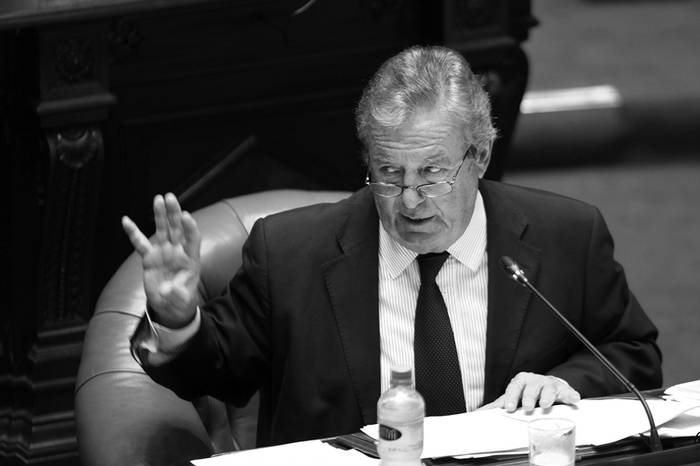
514,391
160,218
174,217
138,239
531,394
193,239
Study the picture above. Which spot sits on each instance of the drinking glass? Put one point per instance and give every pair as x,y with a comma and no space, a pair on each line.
552,442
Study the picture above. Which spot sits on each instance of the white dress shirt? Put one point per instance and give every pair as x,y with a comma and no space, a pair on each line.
463,282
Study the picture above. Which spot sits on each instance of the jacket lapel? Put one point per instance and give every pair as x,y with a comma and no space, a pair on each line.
507,300
352,283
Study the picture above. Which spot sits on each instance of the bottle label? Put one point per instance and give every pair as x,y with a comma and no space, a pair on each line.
389,433
401,440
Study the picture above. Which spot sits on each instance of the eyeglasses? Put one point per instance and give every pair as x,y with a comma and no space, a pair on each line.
437,189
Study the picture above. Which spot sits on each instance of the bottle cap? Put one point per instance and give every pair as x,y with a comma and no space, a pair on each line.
402,376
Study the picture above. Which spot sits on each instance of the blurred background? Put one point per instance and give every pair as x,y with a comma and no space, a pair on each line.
105,102
635,155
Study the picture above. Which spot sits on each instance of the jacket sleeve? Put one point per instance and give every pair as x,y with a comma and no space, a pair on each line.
616,324
228,357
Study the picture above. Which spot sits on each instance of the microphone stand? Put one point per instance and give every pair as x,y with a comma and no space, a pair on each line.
511,267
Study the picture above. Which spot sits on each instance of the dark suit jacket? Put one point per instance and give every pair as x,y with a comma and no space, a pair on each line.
299,321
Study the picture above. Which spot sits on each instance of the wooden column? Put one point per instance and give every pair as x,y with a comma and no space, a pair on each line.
74,102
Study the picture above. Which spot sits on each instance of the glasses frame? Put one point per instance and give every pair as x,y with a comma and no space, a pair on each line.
420,189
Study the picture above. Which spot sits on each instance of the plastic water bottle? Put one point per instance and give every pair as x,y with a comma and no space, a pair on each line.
400,413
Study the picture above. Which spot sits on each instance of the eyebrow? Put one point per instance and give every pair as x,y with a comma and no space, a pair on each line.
431,159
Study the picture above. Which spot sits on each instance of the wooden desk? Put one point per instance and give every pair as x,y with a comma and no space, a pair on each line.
678,454
632,451
105,102
683,453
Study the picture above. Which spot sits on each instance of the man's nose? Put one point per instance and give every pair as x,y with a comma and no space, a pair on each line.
410,197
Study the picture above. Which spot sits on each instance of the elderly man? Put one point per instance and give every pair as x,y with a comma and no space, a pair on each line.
404,272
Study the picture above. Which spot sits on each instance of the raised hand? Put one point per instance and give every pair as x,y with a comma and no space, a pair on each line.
171,264
530,389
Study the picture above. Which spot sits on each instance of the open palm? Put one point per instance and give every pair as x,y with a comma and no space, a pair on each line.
171,263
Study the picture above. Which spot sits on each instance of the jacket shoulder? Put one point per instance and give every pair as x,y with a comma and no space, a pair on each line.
537,204
316,225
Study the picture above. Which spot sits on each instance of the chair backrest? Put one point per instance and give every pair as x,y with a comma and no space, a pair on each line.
122,416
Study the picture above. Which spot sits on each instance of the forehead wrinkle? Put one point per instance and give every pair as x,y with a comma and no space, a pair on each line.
385,145
425,138
425,154
440,157
422,136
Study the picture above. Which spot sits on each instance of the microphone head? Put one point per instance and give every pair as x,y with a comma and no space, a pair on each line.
513,269
509,265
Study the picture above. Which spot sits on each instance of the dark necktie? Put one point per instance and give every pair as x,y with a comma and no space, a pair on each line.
438,377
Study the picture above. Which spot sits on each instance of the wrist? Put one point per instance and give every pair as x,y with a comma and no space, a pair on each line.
171,320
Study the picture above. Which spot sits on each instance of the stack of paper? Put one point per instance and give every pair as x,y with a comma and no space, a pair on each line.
689,391
493,431
688,423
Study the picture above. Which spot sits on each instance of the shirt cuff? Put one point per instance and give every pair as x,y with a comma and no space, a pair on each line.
163,343
169,339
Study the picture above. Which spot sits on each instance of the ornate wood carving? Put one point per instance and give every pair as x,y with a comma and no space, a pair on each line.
124,38
75,147
73,64
43,413
75,165
62,154
75,61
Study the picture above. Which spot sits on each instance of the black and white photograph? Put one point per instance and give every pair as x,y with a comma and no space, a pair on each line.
350,232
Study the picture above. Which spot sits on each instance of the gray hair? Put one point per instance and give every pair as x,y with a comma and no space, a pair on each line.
424,78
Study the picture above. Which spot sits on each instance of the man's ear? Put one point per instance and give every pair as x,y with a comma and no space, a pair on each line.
482,157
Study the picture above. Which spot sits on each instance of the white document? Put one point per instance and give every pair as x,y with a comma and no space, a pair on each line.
475,433
685,425
688,423
685,391
494,431
605,421
309,453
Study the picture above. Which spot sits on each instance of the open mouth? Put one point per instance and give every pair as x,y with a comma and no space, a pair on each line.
417,221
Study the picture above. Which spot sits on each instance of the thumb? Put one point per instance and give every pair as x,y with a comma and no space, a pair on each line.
497,403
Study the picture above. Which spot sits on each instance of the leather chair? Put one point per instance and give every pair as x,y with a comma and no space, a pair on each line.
122,416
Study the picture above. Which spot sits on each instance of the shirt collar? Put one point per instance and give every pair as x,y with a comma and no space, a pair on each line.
468,249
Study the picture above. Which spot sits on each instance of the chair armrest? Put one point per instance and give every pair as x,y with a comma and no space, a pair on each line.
124,417
154,428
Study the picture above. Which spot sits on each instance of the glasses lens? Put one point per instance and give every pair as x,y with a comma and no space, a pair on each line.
385,190
435,189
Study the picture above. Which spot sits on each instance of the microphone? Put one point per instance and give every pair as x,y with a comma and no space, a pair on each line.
516,273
